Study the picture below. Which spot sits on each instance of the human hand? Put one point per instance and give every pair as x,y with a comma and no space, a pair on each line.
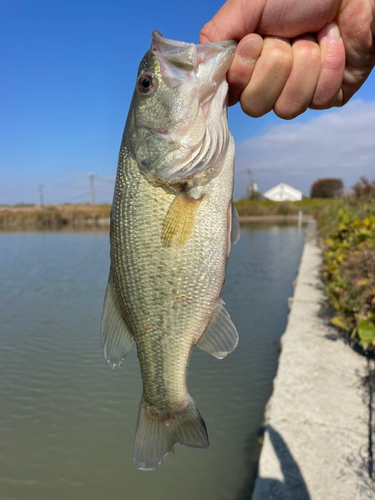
294,54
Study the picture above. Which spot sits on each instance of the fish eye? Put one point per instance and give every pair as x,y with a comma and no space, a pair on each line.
146,83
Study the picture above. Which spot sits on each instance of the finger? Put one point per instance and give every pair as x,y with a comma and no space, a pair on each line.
287,18
328,91
269,77
299,89
233,21
242,67
355,23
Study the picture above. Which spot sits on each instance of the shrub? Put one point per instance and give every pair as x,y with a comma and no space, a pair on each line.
327,188
364,189
349,267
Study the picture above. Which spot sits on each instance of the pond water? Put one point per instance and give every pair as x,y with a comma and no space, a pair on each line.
67,421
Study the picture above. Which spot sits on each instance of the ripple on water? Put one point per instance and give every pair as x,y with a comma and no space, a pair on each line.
67,420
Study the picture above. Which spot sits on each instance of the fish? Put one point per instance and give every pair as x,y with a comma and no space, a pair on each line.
172,224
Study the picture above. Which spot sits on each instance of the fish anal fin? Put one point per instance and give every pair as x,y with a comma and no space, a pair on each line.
180,219
116,338
221,336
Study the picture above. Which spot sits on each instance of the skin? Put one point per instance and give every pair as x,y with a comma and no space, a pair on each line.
293,54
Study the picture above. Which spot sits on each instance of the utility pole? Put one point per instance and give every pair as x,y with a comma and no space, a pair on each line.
91,177
252,186
41,195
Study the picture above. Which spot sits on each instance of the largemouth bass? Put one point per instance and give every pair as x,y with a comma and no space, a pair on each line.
172,224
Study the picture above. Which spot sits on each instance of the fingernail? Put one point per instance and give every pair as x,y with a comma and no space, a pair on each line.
250,50
332,32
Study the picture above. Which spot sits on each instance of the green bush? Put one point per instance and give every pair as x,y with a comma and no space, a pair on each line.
349,266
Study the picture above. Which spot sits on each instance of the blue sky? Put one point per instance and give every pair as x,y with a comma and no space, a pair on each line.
67,76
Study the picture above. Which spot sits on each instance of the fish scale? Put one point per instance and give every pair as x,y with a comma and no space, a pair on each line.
139,268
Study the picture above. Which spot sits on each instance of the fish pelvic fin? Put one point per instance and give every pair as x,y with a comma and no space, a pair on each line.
221,336
180,219
116,338
156,435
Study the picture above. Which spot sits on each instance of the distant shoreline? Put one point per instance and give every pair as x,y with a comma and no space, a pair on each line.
106,221
98,215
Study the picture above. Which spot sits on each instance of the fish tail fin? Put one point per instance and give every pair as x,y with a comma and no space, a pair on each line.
156,436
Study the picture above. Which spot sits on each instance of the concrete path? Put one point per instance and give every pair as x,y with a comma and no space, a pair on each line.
316,444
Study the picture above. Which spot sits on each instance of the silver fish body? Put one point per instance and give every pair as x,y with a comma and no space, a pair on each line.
171,230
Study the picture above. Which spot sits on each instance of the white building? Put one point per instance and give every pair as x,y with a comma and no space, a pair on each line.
283,192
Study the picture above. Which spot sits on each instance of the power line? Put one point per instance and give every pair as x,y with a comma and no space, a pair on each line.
81,197
103,179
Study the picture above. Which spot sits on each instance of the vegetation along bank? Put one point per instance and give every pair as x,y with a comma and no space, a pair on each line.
348,237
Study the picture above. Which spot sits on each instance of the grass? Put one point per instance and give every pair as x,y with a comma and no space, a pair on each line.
267,207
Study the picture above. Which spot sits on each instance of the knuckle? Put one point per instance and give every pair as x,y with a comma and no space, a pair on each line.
207,32
288,112
253,109
318,107
291,103
309,52
333,61
280,57
324,98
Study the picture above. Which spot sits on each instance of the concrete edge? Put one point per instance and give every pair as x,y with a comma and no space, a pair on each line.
316,442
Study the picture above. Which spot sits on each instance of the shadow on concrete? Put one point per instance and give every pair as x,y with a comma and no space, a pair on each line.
293,487
252,448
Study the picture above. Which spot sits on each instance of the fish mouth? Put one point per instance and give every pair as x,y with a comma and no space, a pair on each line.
206,64
208,61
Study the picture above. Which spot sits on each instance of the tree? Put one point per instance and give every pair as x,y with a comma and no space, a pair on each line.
364,188
327,188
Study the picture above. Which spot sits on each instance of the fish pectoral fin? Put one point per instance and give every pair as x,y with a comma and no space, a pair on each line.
180,219
221,336
116,338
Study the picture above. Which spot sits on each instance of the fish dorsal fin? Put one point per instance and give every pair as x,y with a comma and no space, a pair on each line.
236,231
116,338
221,336
180,219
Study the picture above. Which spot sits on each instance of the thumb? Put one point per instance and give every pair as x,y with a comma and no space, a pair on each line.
230,22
